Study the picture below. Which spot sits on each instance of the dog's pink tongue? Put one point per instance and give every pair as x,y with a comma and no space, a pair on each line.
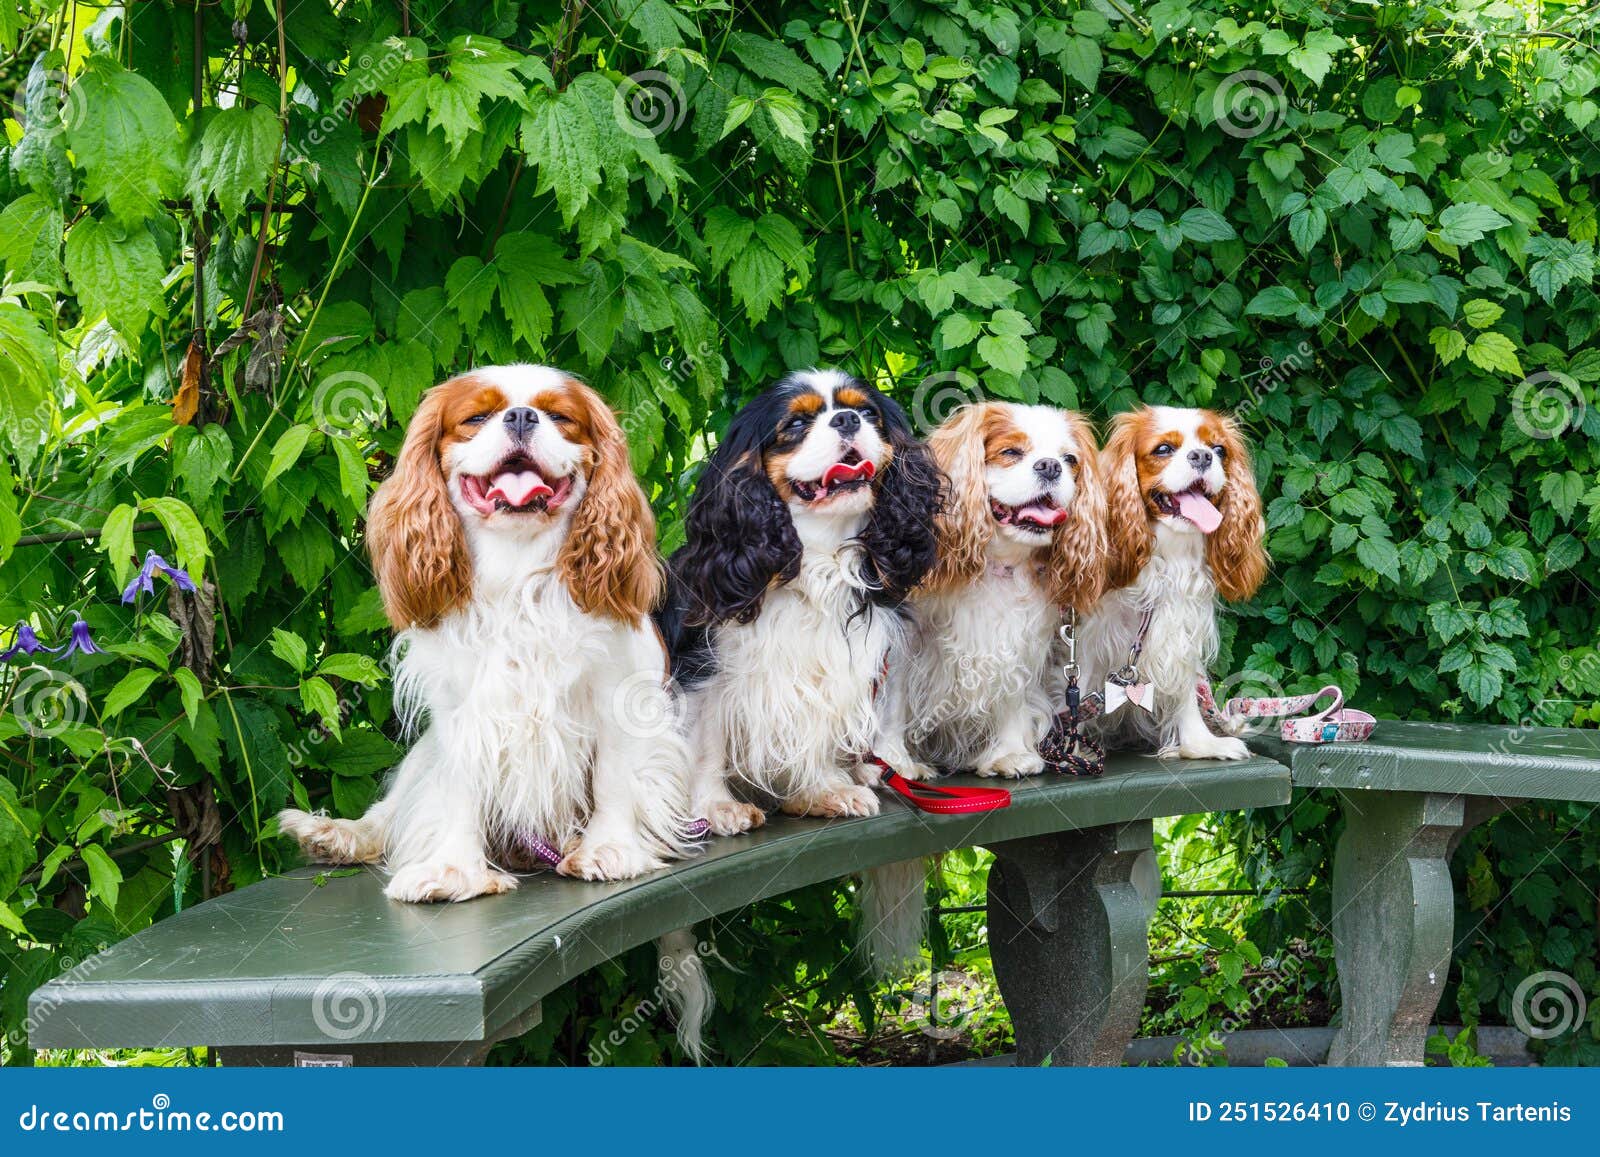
844,472
1197,508
518,487
1042,514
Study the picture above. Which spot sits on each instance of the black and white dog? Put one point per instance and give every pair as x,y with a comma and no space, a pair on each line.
811,524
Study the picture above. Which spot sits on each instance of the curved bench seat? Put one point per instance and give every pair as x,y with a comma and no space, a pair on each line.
338,969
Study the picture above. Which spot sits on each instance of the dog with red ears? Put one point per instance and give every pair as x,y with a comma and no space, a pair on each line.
515,552
1185,528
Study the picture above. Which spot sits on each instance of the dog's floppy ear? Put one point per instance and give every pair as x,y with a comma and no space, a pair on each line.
1128,530
963,525
1234,550
414,534
1078,552
609,559
899,538
740,536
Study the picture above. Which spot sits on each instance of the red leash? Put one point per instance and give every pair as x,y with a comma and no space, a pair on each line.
930,797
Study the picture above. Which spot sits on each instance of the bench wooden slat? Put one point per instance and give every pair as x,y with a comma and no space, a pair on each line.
1453,758
277,963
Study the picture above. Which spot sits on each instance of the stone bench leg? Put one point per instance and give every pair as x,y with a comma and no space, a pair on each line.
1069,934
1394,918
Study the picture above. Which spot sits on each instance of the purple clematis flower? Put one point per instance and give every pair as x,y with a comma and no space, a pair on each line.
26,643
82,642
143,582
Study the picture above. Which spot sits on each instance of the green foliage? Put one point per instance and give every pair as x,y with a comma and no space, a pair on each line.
1372,234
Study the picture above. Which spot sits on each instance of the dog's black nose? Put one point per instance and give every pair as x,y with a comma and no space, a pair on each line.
1048,468
522,420
847,422
1200,459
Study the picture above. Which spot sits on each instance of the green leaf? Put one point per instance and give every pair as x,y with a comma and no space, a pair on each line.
363,669
286,452
289,647
16,839
1449,344
128,690
560,136
105,878
1306,228
776,62
1467,222
125,140
30,241
1406,233
1495,351
1481,314
116,539
1202,224
236,155
1081,60
1007,353
184,529
318,698
1274,301
118,273
190,690
957,330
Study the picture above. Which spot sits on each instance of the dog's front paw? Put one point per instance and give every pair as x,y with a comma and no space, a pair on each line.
1213,747
330,841
1013,766
431,883
607,860
901,761
731,818
849,800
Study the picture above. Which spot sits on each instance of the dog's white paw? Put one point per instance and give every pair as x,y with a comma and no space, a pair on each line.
1213,747
607,860
848,800
429,883
1013,766
903,762
916,769
328,840
731,818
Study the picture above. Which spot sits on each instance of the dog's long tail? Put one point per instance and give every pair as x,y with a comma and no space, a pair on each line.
892,911
687,988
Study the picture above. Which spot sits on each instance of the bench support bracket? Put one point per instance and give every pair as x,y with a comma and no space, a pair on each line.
1069,918
1394,918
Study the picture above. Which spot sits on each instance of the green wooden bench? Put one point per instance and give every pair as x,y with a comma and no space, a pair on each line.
1408,796
286,971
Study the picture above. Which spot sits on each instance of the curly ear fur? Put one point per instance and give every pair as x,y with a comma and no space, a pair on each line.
418,547
963,526
1234,550
739,534
899,537
1079,555
609,560
1128,532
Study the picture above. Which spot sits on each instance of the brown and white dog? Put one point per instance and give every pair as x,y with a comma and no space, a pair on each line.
516,556
1021,539
1185,528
